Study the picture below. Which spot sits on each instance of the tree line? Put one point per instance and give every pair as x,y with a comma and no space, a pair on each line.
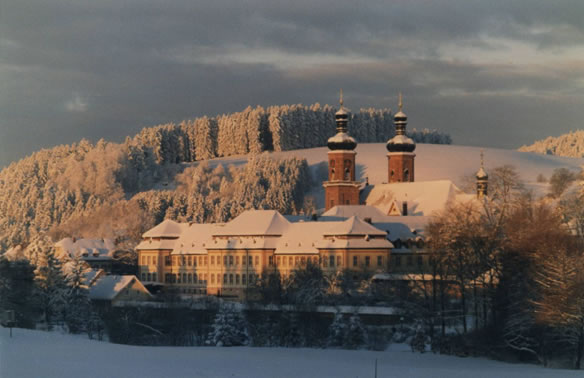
508,272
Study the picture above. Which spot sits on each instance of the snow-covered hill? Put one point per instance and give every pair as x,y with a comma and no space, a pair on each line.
42,354
435,162
570,144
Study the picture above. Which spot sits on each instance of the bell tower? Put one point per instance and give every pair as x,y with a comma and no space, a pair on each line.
341,187
400,156
482,180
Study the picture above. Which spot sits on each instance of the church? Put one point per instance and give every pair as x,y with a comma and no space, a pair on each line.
373,228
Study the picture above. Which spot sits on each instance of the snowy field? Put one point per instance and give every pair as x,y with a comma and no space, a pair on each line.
42,354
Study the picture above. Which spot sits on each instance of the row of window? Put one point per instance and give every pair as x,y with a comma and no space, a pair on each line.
215,260
150,277
331,261
397,260
226,279
149,260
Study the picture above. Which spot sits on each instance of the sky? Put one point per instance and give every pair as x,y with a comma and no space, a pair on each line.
495,73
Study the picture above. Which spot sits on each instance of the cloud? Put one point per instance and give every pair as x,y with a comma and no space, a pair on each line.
106,69
76,104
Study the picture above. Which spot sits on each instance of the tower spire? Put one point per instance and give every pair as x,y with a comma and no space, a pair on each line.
400,102
341,98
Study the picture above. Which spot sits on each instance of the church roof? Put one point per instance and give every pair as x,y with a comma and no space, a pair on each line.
422,197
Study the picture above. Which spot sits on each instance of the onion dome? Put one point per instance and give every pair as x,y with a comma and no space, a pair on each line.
400,142
342,140
482,174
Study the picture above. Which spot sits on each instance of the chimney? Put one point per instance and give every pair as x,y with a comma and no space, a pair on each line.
405,208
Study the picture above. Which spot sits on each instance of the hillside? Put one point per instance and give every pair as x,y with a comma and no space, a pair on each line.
119,190
571,144
433,162
79,190
48,354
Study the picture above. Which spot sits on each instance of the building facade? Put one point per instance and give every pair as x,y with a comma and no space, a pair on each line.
226,259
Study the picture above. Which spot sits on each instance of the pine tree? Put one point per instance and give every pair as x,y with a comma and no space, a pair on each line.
51,288
229,327
337,331
77,314
356,335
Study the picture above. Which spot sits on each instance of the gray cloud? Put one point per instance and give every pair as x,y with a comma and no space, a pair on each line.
493,73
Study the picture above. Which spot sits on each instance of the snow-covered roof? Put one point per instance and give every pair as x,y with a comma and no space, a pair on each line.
361,211
482,174
92,275
108,287
402,227
255,222
301,237
196,237
341,138
422,197
244,242
90,249
401,139
156,244
353,226
167,229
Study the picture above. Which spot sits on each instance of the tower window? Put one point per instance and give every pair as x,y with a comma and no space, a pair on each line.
391,173
347,174
406,175
332,173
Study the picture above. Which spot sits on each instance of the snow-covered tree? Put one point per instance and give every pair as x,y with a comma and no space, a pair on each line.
356,335
229,327
51,288
337,331
77,297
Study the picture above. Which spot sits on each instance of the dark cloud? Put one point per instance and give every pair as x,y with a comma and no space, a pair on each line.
493,73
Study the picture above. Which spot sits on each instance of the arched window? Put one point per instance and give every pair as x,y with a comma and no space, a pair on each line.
347,174
391,173
406,175
332,173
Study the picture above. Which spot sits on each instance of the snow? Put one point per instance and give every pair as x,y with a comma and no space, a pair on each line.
256,222
90,249
108,287
167,229
15,253
341,138
433,162
444,162
196,238
422,197
50,355
353,226
401,139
